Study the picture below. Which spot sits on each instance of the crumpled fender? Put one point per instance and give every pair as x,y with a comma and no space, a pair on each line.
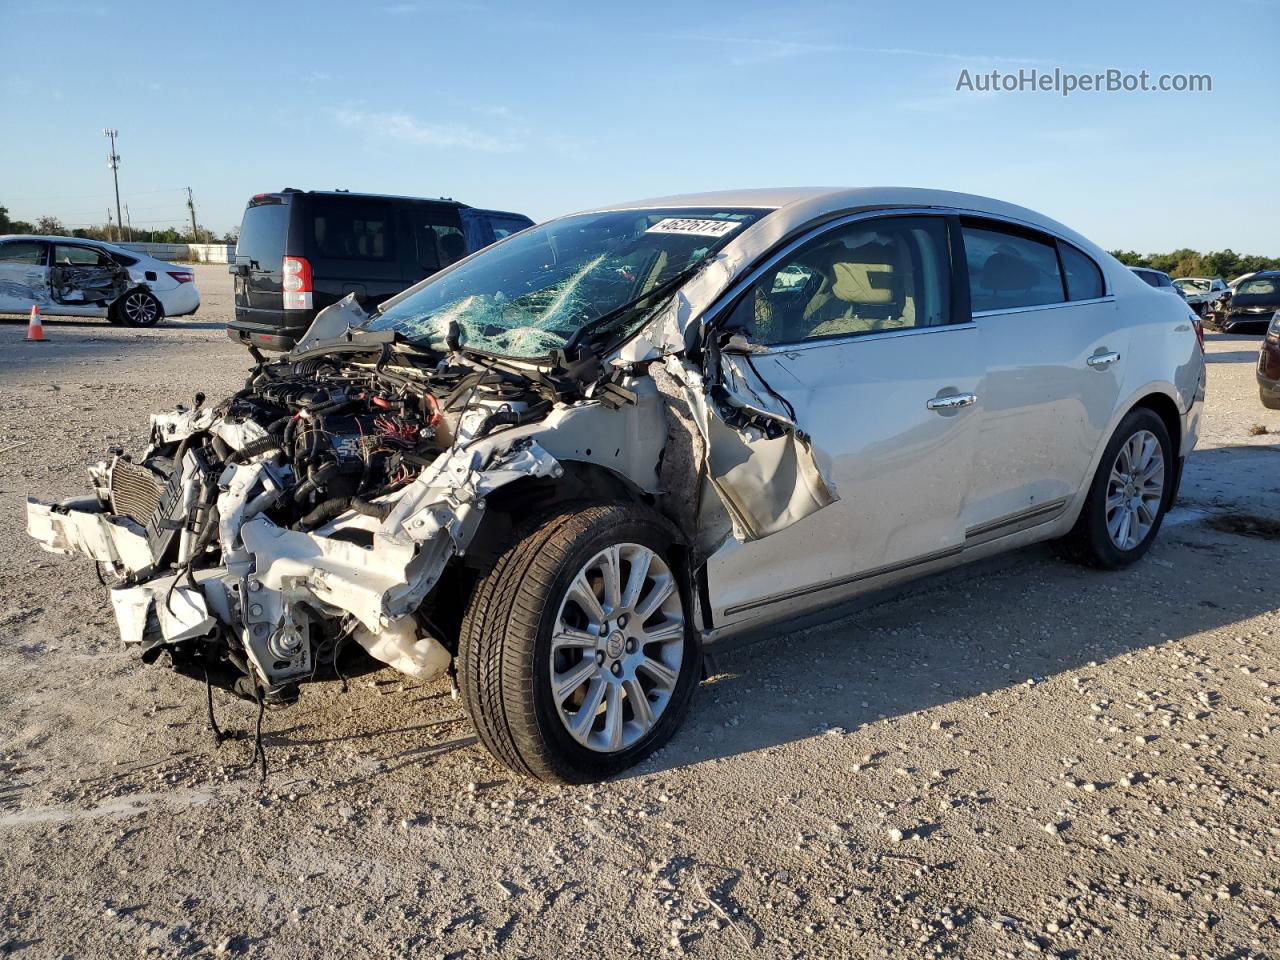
766,483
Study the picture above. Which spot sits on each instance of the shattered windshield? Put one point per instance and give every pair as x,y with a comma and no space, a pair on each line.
529,295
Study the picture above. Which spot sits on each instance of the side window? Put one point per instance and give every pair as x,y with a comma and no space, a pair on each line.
1009,269
354,229
870,276
1084,279
79,256
22,252
504,227
438,234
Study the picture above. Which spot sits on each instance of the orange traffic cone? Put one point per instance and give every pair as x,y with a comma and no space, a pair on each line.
35,329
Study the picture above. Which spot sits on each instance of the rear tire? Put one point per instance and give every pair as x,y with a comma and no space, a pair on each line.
1270,401
137,308
548,686
1128,497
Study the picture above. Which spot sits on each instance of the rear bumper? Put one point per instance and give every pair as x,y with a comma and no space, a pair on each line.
182,301
269,329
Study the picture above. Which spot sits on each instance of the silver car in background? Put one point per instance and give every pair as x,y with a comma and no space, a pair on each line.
563,464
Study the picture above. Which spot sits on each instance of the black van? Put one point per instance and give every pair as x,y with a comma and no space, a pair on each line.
301,251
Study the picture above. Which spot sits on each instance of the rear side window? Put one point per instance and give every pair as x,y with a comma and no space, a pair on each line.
352,229
79,256
438,233
122,258
1150,279
1008,270
21,251
1084,279
262,234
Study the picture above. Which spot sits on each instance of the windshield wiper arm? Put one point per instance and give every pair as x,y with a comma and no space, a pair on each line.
662,289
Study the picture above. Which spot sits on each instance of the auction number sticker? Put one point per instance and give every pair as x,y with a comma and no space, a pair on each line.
695,228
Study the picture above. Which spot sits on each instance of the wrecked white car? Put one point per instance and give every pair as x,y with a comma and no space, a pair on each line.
561,465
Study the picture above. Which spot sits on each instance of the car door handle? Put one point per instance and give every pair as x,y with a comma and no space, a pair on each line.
953,402
1100,361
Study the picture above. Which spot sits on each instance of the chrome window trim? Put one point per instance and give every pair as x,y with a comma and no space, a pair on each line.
979,314
836,339
713,313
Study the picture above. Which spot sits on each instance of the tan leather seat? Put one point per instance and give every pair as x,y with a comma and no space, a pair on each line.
863,289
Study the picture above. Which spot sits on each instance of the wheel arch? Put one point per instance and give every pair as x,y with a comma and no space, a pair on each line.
1164,406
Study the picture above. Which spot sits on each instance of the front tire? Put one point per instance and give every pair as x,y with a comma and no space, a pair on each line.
1128,497
137,308
578,655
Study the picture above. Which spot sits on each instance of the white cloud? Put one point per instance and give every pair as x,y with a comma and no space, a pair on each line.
396,125
759,49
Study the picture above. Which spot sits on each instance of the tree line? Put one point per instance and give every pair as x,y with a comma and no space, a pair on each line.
53,227
1192,263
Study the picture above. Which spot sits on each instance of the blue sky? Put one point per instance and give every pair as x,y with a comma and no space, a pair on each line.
550,107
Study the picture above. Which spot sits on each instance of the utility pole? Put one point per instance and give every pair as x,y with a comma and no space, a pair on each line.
128,222
191,205
109,231
113,161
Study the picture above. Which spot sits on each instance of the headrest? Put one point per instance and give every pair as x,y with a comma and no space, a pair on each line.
862,282
1004,271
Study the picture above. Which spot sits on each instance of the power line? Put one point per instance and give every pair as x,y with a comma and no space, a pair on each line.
84,196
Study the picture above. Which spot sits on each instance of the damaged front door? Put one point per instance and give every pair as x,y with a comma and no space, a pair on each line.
851,333
84,280
24,275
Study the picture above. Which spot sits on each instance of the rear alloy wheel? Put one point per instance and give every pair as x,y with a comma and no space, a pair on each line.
1135,490
577,656
138,308
1128,497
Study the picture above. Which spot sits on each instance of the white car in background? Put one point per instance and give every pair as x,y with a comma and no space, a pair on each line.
1205,295
70,277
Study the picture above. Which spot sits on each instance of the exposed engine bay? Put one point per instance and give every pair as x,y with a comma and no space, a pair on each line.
317,505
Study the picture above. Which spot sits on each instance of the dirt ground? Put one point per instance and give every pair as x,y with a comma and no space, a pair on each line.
1022,758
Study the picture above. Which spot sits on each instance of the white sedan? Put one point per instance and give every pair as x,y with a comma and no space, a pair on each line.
70,277
561,465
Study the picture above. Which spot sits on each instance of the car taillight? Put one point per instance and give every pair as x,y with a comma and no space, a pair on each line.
182,276
1199,328
297,283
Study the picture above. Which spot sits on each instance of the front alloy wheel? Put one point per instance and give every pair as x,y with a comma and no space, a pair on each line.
617,647
577,657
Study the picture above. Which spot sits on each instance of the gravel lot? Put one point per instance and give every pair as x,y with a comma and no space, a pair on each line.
1022,758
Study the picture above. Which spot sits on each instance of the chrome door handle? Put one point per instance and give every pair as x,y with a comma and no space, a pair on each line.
1100,361
953,402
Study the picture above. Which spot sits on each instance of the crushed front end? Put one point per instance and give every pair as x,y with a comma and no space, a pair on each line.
318,505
